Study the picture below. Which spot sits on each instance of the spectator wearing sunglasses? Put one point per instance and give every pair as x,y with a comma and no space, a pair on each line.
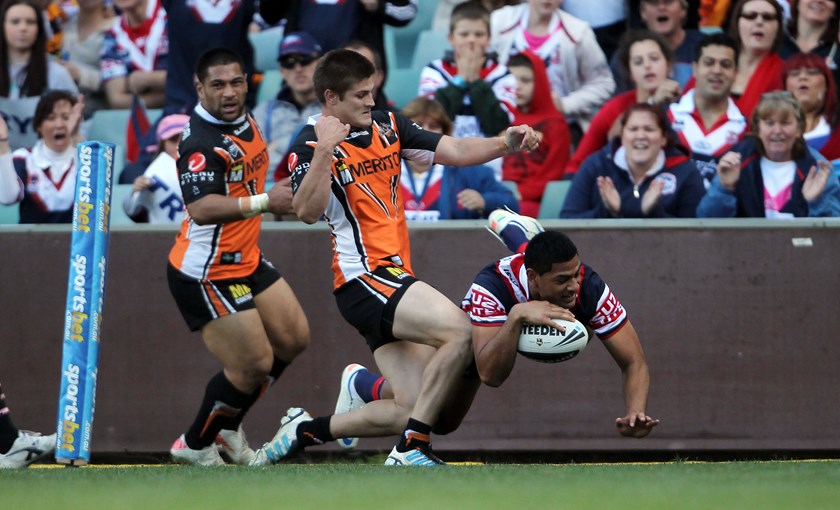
281,117
756,26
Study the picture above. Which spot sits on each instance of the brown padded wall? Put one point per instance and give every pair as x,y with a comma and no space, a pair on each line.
740,329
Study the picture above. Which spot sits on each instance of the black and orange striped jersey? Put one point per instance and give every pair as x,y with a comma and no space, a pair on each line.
227,159
365,211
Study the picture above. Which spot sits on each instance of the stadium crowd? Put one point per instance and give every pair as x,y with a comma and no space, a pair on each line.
567,69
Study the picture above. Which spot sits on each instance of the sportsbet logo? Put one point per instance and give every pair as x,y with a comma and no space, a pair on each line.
70,422
84,204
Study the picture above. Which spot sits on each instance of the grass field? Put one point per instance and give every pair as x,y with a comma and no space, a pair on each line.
649,486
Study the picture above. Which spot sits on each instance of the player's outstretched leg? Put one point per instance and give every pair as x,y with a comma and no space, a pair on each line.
512,229
288,440
26,449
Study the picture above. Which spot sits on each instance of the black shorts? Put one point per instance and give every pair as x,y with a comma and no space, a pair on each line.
369,302
201,301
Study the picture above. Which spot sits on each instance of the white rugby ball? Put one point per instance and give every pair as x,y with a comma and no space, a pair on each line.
550,345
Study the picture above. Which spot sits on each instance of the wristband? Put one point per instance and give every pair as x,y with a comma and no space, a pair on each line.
254,205
460,82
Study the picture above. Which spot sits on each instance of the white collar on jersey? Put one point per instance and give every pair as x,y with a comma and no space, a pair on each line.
43,157
204,114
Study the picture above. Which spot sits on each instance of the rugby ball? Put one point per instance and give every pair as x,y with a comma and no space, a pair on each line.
550,345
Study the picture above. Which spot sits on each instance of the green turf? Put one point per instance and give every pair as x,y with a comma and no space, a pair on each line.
730,485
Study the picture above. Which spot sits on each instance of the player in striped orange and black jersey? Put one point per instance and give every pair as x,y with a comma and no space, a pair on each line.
346,166
248,316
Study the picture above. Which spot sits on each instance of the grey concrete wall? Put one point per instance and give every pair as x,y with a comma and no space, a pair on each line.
738,320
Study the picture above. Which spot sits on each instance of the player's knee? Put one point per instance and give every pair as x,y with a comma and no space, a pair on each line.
292,342
299,341
459,332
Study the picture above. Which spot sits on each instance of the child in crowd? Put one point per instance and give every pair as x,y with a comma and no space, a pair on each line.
156,197
531,171
435,192
474,89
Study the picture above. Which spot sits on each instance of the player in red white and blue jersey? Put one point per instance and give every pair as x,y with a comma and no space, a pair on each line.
544,280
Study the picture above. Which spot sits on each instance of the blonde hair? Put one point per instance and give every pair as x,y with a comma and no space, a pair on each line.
423,107
780,102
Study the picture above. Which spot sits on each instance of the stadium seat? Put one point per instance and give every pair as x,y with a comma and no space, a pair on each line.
552,200
269,86
431,45
9,214
111,126
401,41
401,86
266,46
118,194
511,185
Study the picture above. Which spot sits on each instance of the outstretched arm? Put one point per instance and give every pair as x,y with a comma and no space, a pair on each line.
625,348
475,151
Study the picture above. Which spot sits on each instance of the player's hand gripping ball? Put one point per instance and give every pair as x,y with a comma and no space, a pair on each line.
550,345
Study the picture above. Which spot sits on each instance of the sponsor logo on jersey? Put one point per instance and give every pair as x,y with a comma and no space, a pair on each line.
197,162
237,172
345,176
186,133
229,257
609,312
397,272
293,161
257,163
231,148
372,166
242,128
355,134
484,304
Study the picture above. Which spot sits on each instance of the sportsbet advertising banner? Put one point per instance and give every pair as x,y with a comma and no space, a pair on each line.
85,297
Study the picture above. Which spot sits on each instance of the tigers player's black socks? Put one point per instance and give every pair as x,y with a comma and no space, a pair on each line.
220,408
416,434
277,369
315,431
8,431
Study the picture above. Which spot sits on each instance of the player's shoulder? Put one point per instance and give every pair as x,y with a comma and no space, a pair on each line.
305,137
198,134
590,276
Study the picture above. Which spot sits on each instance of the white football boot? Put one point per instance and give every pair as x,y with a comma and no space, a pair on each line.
348,400
27,448
285,443
421,456
513,229
183,454
234,445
